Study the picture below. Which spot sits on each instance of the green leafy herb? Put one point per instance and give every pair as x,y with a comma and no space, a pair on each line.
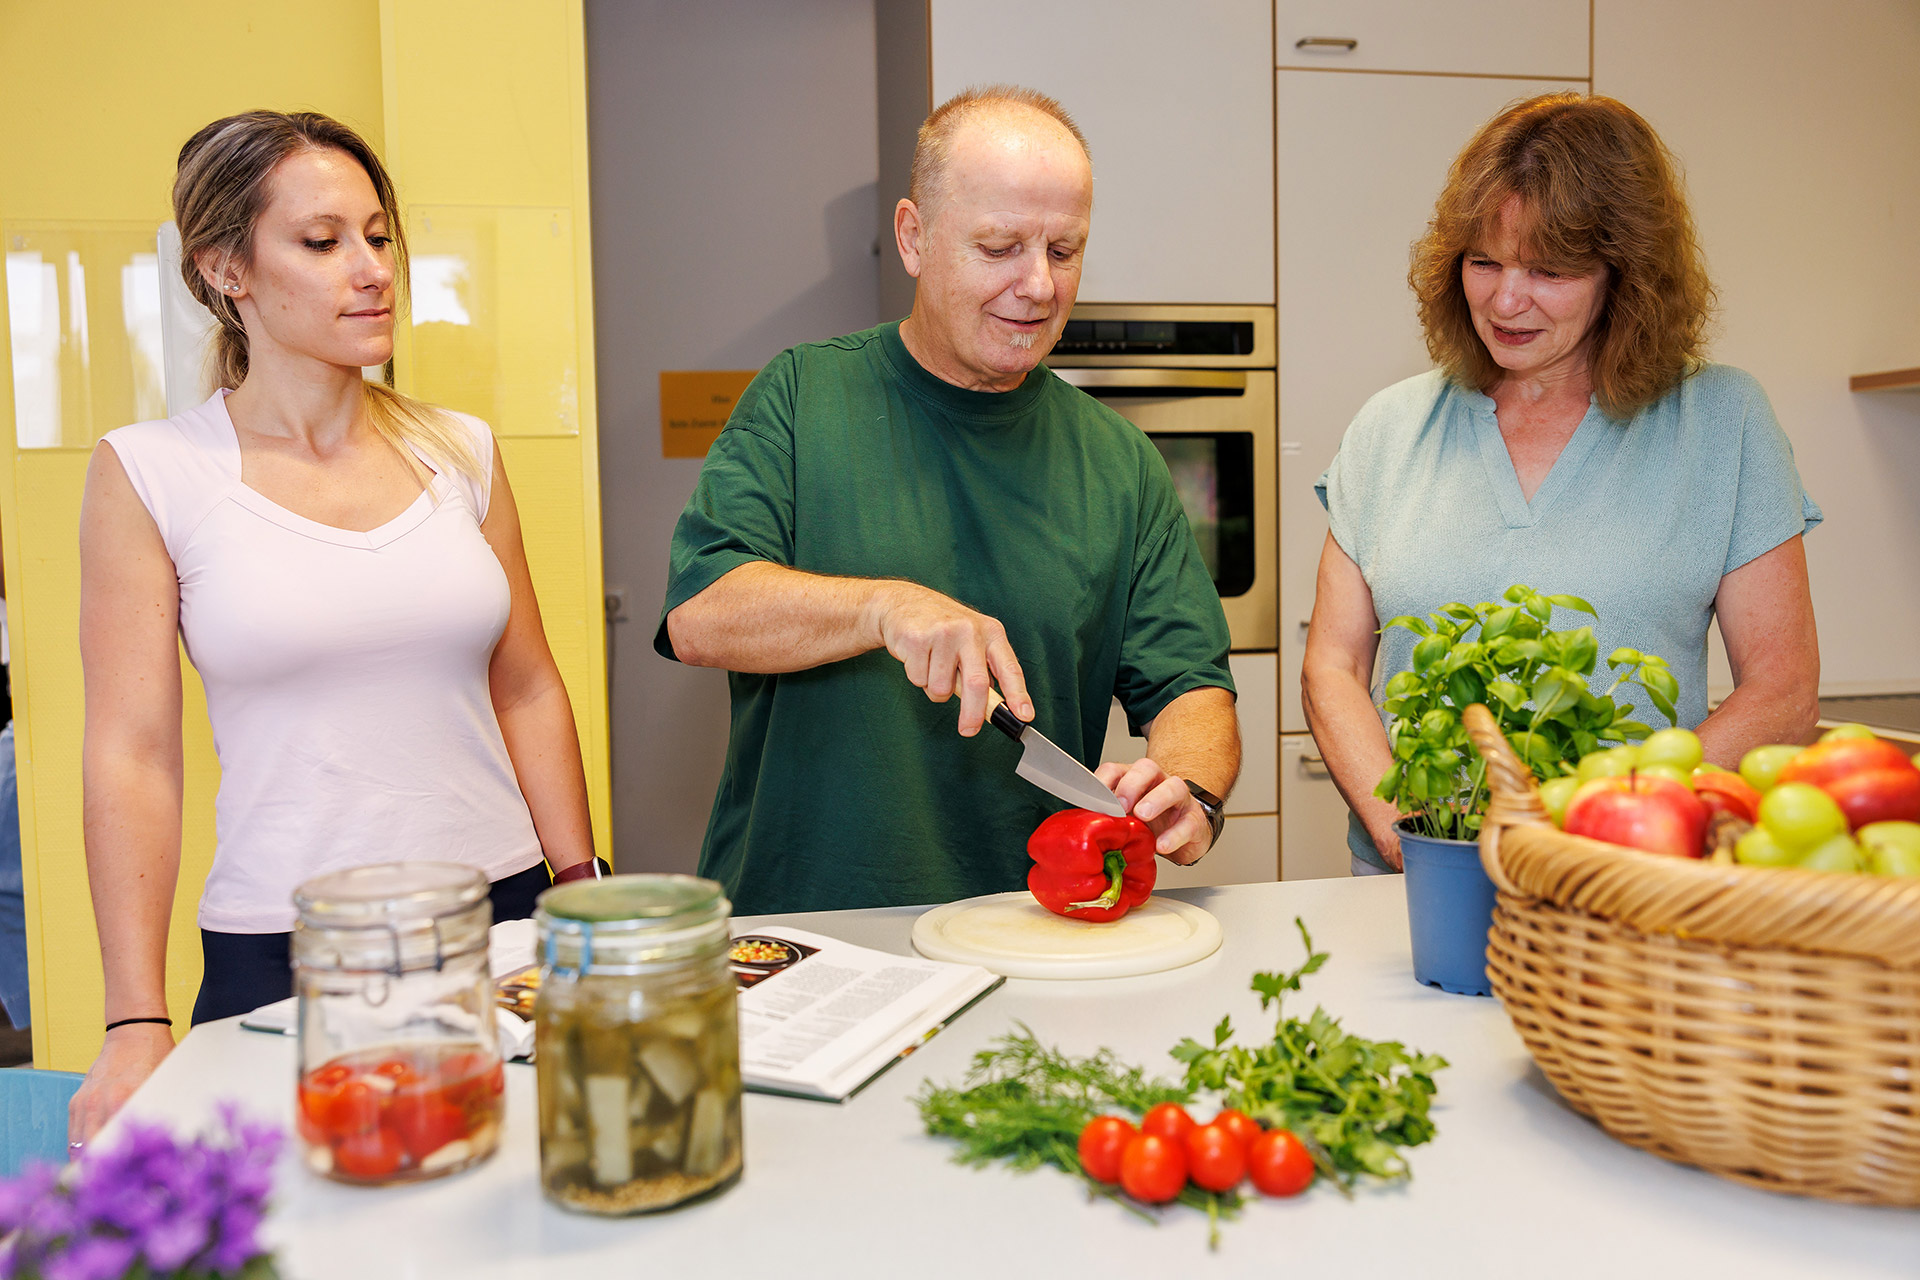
1025,1103
1354,1102
1533,679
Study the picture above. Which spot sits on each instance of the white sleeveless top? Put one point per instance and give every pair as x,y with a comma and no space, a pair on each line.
346,673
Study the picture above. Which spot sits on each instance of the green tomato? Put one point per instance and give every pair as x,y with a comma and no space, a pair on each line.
1677,747
1616,762
1758,849
1557,794
1892,848
1672,772
1843,731
1835,853
1800,815
1761,766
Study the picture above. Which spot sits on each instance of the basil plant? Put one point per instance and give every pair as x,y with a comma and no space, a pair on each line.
1533,679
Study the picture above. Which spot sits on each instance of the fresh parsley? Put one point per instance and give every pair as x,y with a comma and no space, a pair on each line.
1354,1102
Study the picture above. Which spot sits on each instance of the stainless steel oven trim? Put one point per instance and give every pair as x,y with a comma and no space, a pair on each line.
1261,357
1253,616
1097,380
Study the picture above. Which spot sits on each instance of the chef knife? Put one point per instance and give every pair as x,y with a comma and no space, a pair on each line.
1048,767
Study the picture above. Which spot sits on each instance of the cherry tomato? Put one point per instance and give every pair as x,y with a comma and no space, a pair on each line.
425,1122
1243,1127
1215,1158
1153,1169
1168,1120
354,1108
1279,1165
373,1154
398,1070
1101,1144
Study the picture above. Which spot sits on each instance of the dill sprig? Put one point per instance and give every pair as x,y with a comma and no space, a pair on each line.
1025,1103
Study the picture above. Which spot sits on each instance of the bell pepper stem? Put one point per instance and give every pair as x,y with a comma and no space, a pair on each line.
1116,868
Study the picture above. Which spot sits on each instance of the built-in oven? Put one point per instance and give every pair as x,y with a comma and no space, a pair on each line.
1200,382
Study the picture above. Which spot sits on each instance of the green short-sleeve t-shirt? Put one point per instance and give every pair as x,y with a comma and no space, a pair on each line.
844,786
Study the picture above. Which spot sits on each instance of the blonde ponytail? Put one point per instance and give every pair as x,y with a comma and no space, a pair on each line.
406,422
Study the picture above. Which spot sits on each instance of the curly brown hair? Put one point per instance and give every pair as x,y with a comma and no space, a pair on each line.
1597,188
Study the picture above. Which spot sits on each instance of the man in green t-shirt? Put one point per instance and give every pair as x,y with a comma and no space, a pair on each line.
923,509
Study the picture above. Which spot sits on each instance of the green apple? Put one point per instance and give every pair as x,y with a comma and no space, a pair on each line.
1835,853
1672,772
1842,731
1616,762
1761,766
1708,766
1556,794
1758,849
1800,815
1893,848
1677,747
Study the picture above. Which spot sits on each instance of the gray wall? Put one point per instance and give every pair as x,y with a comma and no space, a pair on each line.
735,164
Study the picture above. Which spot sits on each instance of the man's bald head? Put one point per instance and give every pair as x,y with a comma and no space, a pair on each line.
992,106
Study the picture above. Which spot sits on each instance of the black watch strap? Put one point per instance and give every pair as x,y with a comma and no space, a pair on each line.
1210,804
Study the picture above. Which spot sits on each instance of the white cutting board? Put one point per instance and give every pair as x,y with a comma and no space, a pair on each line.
1011,934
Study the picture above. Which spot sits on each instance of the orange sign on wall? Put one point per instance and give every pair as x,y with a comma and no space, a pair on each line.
694,406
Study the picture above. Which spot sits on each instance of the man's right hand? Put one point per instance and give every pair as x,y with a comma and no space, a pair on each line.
128,1057
945,646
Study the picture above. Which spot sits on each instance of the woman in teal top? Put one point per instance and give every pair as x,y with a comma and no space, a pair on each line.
1572,438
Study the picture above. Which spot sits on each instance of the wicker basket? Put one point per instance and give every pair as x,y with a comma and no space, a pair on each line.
1760,1023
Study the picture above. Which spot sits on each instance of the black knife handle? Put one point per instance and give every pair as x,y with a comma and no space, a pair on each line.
1002,716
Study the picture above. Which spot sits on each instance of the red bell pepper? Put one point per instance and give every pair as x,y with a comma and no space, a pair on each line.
1091,866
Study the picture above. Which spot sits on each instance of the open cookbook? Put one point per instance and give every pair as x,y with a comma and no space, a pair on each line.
819,1018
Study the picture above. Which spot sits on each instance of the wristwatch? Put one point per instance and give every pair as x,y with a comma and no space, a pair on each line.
1212,805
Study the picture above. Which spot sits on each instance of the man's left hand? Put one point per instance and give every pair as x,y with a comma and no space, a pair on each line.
1181,831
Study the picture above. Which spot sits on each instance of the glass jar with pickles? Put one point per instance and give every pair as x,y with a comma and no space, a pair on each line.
637,1044
400,1075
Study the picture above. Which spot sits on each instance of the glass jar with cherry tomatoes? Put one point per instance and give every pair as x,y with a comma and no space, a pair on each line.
400,1075
637,1044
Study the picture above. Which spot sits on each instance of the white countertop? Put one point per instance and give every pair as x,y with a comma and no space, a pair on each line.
1516,1184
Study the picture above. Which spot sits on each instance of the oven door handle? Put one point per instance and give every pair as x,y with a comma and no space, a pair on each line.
1157,382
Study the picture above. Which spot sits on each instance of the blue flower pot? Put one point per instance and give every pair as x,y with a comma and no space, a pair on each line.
1449,910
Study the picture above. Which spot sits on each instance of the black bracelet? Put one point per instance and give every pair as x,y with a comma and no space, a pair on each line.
127,1022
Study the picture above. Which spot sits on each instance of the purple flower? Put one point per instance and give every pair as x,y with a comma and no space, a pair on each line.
19,1195
178,1207
92,1258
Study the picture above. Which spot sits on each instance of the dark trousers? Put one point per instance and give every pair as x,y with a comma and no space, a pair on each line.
246,970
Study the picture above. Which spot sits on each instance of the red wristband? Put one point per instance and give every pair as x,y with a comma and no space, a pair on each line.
588,870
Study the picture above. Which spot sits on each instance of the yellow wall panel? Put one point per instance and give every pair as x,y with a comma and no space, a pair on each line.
98,97
483,91
545,475
487,128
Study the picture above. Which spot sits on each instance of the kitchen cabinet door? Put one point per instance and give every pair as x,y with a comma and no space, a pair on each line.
1248,852
1257,791
1535,38
1178,115
1313,817
1360,161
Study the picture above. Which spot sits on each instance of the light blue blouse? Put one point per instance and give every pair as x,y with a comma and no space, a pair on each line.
1641,519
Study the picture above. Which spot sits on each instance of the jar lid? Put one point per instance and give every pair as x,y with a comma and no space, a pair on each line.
391,917
627,924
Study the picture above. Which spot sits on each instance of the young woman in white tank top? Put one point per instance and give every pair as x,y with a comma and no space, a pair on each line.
345,569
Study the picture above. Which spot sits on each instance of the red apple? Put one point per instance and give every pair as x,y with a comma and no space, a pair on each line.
1877,795
1724,792
1826,762
1654,814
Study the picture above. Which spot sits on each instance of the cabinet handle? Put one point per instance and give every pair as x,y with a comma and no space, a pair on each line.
1342,43
1314,766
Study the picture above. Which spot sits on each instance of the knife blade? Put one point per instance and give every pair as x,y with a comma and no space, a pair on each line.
1048,767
